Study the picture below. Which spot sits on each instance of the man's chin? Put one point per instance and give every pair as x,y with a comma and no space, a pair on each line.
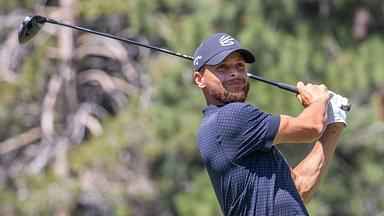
231,97
233,100
227,96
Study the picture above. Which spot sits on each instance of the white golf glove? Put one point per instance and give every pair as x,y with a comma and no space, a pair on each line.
334,112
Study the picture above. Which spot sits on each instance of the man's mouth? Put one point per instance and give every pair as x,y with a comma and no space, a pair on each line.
235,83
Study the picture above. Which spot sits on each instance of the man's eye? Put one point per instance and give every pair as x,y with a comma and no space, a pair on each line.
240,66
220,68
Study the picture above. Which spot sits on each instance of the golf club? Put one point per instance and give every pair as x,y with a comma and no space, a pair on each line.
31,25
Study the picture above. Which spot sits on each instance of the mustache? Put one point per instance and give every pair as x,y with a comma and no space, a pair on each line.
235,79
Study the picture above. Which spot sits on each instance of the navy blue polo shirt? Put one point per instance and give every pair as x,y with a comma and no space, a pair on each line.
249,175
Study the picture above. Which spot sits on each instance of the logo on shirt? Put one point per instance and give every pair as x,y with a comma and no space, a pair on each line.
226,40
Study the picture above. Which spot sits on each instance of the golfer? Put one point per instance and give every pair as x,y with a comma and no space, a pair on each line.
237,141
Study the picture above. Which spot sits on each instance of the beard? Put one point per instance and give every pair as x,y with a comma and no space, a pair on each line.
226,96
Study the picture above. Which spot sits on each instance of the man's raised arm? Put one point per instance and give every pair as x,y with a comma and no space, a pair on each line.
308,174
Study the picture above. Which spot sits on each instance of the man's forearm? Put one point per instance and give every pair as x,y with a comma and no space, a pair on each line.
310,171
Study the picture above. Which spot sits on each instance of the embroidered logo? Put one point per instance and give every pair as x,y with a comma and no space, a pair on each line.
226,40
196,60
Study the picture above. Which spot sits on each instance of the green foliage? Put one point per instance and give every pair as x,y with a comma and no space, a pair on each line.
7,6
199,199
42,195
21,100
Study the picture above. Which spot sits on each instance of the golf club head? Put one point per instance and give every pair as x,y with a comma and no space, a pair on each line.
30,26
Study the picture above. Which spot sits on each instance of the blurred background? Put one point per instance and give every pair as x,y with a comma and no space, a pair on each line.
92,126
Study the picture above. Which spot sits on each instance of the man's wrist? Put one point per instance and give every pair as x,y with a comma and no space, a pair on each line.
322,99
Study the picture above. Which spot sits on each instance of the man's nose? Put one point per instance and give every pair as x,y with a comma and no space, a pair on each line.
234,72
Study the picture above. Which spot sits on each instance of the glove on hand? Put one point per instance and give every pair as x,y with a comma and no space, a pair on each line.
334,112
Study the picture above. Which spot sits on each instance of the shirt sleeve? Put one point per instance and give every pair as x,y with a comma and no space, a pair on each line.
244,129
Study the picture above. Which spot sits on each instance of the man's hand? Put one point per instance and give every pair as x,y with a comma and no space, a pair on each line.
310,93
310,123
335,113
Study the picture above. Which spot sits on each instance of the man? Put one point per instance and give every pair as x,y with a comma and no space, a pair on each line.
237,140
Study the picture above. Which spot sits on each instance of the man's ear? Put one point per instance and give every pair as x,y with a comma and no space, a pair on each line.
199,79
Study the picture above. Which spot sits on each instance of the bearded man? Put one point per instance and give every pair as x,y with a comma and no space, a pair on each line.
237,141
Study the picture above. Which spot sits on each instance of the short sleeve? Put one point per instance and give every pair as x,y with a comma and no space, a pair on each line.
244,128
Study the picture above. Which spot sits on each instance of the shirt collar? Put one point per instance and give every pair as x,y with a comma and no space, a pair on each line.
211,109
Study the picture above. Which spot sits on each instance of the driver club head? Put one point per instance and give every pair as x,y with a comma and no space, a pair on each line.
30,26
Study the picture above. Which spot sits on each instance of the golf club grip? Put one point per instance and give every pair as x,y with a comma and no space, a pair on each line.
290,88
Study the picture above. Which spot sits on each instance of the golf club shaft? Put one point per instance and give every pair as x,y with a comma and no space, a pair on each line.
52,21
284,86
280,85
